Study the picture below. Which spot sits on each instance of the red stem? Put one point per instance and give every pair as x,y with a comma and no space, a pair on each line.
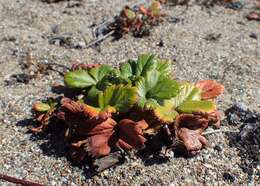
18,181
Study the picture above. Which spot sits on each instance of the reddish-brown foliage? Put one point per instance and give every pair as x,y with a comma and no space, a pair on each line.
253,16
210,89
97,132
189,129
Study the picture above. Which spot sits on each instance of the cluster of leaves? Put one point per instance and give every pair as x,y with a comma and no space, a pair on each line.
138,20
121,108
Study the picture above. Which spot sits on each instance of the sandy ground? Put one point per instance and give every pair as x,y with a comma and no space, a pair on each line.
233,59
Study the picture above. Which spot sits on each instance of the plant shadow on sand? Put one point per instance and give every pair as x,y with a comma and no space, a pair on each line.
247,141
52,144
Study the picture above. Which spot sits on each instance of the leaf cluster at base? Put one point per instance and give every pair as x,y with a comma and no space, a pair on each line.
121,108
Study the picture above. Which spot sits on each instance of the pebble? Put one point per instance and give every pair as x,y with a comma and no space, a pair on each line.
253,35
175,19
218,147
229,177
237,5
161,43
241,106
79,45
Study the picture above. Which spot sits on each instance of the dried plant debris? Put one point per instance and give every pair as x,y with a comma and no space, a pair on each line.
255,16
123,108
247,141
32,69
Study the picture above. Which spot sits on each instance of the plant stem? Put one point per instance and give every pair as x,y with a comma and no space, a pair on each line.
96,41
18,181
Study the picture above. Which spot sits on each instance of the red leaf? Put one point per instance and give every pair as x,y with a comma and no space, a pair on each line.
189,129
131,134
87,128
76,66
253,16
98,145
210,89
143,10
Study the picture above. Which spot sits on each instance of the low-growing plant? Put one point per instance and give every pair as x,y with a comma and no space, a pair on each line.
138,20
123,108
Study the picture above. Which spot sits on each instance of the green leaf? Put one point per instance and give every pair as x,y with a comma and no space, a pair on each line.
113,78
129,14
165,88
79,79
126,70
155,8
85,78
156,87
164,67
120,97
187,92
145,63
99,72
197,106
166,112
92,95
41,107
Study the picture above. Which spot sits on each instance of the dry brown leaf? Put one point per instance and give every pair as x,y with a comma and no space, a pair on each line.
76,66
131,134
189,129
253,16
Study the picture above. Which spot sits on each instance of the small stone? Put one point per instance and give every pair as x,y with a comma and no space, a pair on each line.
229,177
80,45
246,131
241,106
174,19
55,29
213,37
233,118
235,5
218,147
253,35
161,43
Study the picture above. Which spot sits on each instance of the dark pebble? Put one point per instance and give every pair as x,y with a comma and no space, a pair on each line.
161,43
253,35
21,78
229,177
235,5
213,37
174,19
55,29
138,172
233,119
218,147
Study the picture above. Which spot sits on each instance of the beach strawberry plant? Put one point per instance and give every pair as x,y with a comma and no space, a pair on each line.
138,20
122,108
